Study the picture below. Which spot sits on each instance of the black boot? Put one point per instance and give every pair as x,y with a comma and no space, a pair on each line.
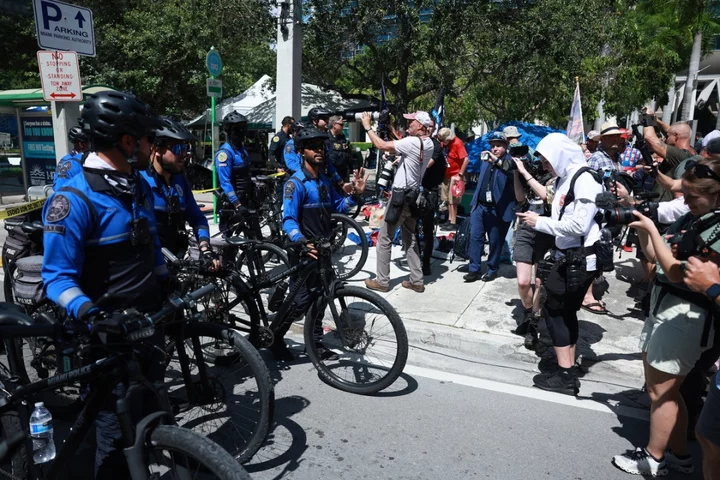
563,380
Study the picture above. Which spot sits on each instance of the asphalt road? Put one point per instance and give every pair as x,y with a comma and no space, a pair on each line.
437,425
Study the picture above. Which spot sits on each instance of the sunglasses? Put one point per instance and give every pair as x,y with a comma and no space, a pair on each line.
315,146
702,171
177,148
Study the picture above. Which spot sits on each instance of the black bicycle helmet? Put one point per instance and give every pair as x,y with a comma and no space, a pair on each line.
108,115
318,112
306,135
76,135
172,129
297,126
232,119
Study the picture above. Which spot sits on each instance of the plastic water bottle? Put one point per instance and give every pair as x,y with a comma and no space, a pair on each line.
41,431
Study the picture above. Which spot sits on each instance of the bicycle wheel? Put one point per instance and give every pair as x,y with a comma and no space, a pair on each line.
371,347
17,464
237,411
269,259
174,452
349,246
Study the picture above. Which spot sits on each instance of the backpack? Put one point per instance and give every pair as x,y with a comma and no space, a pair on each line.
462,240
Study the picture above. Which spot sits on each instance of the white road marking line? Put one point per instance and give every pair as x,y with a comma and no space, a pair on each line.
529,392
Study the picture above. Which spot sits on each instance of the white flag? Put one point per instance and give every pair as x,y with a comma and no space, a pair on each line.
575,127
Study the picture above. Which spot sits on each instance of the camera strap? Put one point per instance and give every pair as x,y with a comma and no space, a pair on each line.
570,196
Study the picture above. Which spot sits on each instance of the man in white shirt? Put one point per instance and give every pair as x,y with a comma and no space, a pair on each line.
416,150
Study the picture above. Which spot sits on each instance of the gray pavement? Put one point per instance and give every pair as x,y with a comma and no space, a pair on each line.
435,425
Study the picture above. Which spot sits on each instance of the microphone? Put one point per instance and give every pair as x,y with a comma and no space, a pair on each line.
606,201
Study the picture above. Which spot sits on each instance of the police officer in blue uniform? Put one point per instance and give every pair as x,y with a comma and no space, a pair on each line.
232,164
174,201
309,200
71,164
293,160
100,237
277,145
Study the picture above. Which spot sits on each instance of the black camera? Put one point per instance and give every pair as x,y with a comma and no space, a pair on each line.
519,150
641,145
624,215
690,243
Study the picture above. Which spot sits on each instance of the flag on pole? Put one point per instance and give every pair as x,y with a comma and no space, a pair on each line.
383,99
438,112
575,127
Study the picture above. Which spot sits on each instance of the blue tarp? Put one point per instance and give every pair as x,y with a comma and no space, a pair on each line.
530,135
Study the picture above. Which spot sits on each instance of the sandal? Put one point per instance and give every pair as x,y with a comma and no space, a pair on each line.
589,308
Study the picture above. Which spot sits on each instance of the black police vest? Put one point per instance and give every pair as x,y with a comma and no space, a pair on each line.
338,149
121,268
317,207
170,222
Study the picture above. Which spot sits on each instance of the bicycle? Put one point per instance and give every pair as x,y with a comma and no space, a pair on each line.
363,330
149,443
217,379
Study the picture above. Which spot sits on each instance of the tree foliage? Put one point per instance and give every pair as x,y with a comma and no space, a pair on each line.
498,61
157,48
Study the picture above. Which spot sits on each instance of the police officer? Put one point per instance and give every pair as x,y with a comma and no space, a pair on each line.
309,200
232,163
339,147
71,164
293,161
173,199
277,145
100,237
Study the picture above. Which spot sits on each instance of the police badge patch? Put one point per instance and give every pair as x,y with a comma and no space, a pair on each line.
179,190
63,169
59,209
276,139
221,157
289,189
288,148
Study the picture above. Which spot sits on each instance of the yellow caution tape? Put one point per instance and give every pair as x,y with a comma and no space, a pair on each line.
195,192
21,209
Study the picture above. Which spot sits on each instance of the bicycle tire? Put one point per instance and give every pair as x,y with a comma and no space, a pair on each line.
272,252
246,369
203,456
331,375
342,225
18,461
355,212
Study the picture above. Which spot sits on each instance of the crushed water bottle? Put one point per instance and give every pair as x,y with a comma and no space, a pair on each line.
41,431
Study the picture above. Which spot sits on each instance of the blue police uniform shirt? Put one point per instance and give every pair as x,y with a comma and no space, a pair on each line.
294,162
233,169
68,166
179,188
307,205
88,243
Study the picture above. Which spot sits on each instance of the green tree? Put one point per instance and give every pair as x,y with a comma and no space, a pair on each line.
157,49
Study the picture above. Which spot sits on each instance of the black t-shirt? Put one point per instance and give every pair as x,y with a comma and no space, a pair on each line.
435,174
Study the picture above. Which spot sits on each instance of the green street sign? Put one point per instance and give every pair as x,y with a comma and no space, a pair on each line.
213,62
214,87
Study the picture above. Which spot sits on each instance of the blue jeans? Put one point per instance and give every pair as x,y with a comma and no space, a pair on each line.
485,220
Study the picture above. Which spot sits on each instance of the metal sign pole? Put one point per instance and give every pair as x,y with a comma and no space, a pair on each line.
212,140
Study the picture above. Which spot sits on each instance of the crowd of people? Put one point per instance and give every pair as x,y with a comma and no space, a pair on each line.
552,203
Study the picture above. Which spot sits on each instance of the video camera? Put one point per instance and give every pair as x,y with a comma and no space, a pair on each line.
641,145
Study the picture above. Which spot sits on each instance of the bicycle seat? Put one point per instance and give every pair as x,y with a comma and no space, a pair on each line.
13,222
218,242
11,314
31,264
32,227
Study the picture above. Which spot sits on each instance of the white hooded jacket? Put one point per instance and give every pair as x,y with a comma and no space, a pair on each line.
566,158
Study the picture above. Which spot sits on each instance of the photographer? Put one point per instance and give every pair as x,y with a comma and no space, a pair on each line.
530,246
416,150
677,330
673,150
492,208
574,262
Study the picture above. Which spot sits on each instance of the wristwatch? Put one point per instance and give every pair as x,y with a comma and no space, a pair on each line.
713,292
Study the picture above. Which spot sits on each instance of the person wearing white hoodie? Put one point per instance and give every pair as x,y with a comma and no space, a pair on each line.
573,225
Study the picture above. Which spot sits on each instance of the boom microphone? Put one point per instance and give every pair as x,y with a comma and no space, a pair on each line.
606,201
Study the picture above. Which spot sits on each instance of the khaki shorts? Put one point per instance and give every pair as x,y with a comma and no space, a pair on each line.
445,193
672,338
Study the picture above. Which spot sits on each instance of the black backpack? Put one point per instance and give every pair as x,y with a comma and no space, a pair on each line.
462,240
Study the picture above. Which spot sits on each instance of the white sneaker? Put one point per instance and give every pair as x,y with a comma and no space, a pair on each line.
640,462
684,465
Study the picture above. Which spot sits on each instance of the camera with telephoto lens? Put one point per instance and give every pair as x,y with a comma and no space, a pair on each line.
624,215
355,116
519,150
388,172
